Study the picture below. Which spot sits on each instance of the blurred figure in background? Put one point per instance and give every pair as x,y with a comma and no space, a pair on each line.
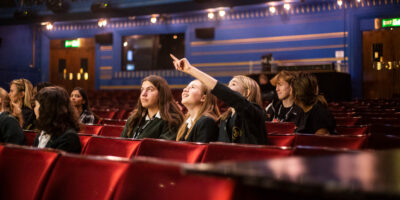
21,97
80,102
10,129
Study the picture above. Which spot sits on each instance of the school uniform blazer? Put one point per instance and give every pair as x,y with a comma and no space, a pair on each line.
157,128
204,130
249,118
10,131
68,141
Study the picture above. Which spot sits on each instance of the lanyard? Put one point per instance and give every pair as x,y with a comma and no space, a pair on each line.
140,129
286,115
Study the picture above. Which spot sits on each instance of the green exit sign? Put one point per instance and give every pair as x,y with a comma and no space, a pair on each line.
391,22
71,43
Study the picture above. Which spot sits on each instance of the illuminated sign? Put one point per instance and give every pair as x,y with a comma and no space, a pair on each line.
391,22
71,43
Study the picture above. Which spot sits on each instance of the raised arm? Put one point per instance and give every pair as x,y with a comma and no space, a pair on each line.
183,65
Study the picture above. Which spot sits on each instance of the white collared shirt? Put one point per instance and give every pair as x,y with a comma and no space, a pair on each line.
156,116
189,122
44,138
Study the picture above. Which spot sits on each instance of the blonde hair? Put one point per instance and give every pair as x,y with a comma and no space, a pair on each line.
208,108
251,92
3,95
24,85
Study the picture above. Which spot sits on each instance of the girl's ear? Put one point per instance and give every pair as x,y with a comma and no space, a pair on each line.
203,98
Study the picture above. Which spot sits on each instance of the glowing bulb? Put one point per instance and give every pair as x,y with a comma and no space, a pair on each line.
222,13
272,9
340,2
49,26
358,1
210,15
125,44
175,37
102,23
286,6
153,20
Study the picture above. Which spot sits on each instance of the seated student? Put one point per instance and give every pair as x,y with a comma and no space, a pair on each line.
244,121
200,124
21,96
57,120
284,110
316,119
156,114
80,102
10,129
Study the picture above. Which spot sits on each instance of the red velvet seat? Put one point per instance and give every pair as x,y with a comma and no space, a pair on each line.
171,150
90,129
352,130
347,121
112,146
113,122
319,151
281,139
216,152
334,141
120,114
280,127
146,180
30,137
84,177
111,131
380,141
84,138
24,171
106,114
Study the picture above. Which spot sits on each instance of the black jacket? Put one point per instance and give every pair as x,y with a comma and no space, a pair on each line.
156,128
10,131
69,142
277,111
29,118
249,121
204,130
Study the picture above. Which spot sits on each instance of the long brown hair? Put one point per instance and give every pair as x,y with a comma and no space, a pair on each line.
251,92
24,85
5,101
56,114
169,110
305,90
208,108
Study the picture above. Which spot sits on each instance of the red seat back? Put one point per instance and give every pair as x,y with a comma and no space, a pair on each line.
30,137
24,171
111,131
224,152
171,150
280,127
83,177
160,180
352,130
347,121
281,139
381,141
90,129
113,122
334,141
106,114
112,147
84,138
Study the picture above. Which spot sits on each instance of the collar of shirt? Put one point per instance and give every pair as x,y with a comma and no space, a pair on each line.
156,116
189,122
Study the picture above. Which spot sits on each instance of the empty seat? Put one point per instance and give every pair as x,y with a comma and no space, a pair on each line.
352,130
334,141
280,127
147,180
111,131
24,171
90,129
84,177
281,139
380,141
171,150
347,121
112,146
113,122
30,137
106,114
84,138
319,151
223,152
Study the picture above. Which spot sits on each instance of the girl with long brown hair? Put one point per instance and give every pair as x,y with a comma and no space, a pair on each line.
156,114
244,121
201,118
21,96
10,129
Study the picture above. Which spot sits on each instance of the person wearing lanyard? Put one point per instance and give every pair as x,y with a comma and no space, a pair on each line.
203,112
283,110
244,121
156,114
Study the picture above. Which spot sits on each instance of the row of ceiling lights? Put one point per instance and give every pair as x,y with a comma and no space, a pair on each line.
211,14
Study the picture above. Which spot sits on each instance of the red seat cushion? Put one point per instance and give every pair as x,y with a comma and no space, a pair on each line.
223,152
112,131
281,139
24,171
90,129
30,137
160,180
84,138
112,147
334,141
171,150
280,127
83,177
